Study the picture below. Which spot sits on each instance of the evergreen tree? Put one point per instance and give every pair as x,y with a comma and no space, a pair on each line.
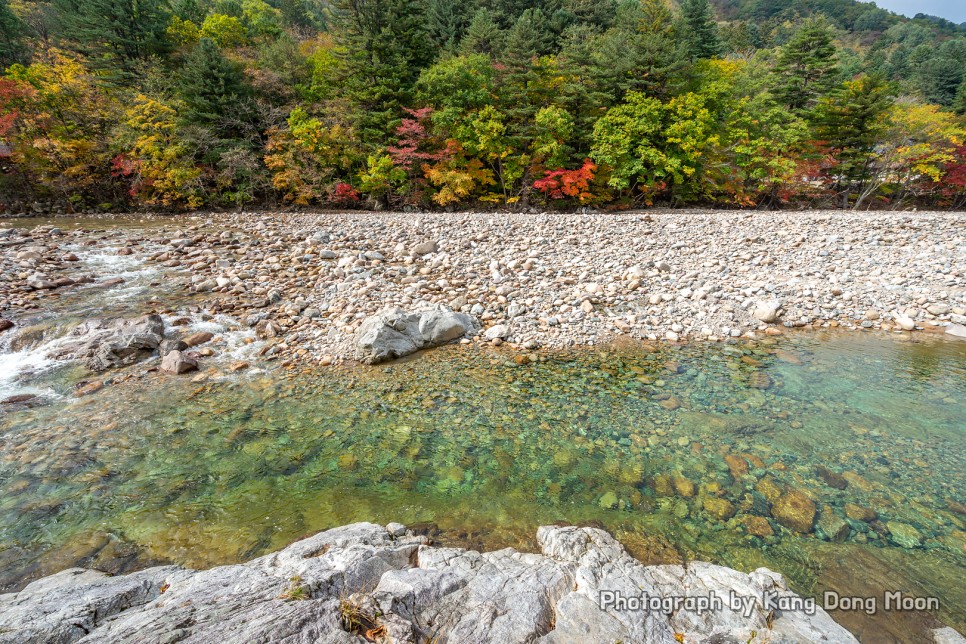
383,48
700,29
850,121
806,67
483,36
13,49
959,105
114,34
530,37
658,50
447,22
214,92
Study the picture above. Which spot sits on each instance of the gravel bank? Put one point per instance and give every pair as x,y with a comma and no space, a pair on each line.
307,281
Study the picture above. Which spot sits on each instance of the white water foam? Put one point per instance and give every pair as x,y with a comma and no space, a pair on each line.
14,365
237,342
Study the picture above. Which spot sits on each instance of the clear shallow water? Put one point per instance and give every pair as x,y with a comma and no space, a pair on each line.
163,469
645,441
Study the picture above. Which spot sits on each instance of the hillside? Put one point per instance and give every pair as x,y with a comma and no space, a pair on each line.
128,104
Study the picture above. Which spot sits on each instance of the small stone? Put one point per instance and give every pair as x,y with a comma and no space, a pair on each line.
87,388
238,365
736,465
904,535
757,526
767,311
195,339
425,248
831,479
956,331
683,486
795,511
859,513
498,331
719,508
670,404
832,526
176,362
905,322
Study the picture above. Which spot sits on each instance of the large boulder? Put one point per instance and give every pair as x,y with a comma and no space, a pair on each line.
104,343
339,584
394,333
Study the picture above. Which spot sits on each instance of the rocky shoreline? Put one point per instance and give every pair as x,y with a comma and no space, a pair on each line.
368,583
307,282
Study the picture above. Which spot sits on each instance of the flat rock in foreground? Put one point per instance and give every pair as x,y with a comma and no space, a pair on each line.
384,583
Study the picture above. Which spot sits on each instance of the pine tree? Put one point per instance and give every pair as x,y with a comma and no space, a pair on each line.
384,46
530,37
483,36
12,32
214,91
700,29
850,121
447,21
114,34
959,105
806,67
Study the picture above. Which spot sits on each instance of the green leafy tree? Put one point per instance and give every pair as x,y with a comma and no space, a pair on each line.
806,68
114,34
628,139
700,29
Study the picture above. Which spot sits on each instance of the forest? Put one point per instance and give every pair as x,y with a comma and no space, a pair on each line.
110,105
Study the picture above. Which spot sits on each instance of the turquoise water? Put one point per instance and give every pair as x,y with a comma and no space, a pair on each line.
683,452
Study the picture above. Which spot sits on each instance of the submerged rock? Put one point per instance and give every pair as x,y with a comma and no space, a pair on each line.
104,343
394,333
904,535
795,511
389,581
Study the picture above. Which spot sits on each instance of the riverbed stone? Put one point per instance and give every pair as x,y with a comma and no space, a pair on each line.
394,333
767,311
104,343
904,535
859,513
178,362
795,510
200,337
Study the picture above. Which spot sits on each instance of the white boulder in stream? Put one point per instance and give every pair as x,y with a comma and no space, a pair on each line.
104,343
339,584
394,333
